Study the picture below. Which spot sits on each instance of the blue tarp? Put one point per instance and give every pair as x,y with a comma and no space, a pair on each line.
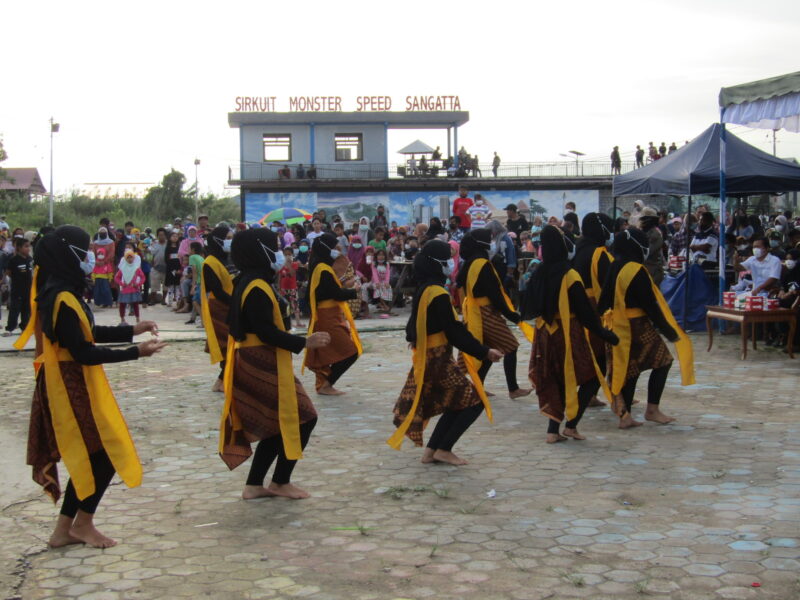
694,169
701,293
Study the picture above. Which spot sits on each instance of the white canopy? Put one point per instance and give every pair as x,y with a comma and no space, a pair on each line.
766,104
416,147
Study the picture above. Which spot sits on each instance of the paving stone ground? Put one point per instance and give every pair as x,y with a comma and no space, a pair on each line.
698,510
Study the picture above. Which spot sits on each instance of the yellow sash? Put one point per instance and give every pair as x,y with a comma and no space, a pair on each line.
594,270
315,277
570,380
471,307
114,434
419,358
619,318
288,414
225,279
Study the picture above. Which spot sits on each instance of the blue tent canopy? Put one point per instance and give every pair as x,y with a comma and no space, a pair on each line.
694,169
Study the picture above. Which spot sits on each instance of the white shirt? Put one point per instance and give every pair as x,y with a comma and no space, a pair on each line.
313,235
761,270
709,238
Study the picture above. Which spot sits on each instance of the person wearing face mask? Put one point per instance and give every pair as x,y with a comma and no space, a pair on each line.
654,262
787,296
364,232
486,306
216,287
435,384
592,262
103,272
639,310
563,367
74,416
775,241
264,401
705,243
764,267
331,314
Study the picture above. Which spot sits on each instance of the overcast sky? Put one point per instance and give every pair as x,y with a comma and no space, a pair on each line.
141,87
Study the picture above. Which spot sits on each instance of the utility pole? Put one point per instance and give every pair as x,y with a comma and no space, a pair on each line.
196,210
53,129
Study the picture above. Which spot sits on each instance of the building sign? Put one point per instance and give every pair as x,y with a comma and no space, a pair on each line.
302,104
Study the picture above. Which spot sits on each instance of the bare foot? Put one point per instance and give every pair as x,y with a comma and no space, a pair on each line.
628,421
554,438
218,387
251,492
573,433
88,534
287,490
427,456
653,413
488,393
329,390
519,393
448,457
61,538
595,402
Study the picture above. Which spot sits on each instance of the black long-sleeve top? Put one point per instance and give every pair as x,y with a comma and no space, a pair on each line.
440,318
486,287
257,318
214,285
640,295
583,265
70,336
329,289
582,309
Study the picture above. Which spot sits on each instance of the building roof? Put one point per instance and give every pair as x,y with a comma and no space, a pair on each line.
24,180
394,120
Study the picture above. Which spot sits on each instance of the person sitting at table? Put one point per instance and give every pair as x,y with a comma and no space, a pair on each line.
787,296
423,165
705,244
764,268
285,172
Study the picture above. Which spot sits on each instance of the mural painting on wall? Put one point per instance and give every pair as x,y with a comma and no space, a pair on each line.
407,207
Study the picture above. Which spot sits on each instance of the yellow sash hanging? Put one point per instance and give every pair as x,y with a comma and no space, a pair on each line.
471,307
594,269
30,328
111,426
419,359
288,413
225,279
621,325
564,316
315,278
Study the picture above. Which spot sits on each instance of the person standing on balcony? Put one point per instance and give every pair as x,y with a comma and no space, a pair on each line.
495,164
301,171
616,161
639,157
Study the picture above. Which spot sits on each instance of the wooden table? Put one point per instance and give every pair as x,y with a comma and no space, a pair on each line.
748,319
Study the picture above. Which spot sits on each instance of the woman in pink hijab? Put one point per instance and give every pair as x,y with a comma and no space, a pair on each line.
191,236
356,253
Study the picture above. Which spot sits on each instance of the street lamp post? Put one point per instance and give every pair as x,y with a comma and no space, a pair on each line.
54,127
196,209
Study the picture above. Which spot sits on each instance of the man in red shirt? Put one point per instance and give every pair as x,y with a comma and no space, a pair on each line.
461,206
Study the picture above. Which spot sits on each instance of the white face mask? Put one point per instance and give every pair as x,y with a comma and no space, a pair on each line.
226,245
357,245
335,254
791,264
759,252
774,243
779,228
276,259
493,248
369,259
743,248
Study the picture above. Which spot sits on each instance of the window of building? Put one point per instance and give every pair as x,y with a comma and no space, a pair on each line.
277,147
349,146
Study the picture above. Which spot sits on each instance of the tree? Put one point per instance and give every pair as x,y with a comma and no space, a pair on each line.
168,200
3,156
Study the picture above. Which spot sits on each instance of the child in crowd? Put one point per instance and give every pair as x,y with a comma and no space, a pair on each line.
288,284
536,232
379,243
184,304
381,289
196,261
172,278
479,213
19,269
130,279
338,231
411,248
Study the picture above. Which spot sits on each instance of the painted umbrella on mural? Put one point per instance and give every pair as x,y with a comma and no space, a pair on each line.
289,216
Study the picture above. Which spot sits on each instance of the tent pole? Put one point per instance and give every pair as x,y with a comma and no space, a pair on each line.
722,208
614,209
686,271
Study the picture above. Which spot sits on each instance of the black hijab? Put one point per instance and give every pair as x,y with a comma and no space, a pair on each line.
474,245
252,251
629,246
59,255
596,230
214,242
435,228
321,250
428,265
541,299
573,218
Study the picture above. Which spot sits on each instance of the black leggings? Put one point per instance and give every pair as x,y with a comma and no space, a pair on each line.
270,448
103,471
452,425
338,368
655,387
585,393
221,370
509,366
